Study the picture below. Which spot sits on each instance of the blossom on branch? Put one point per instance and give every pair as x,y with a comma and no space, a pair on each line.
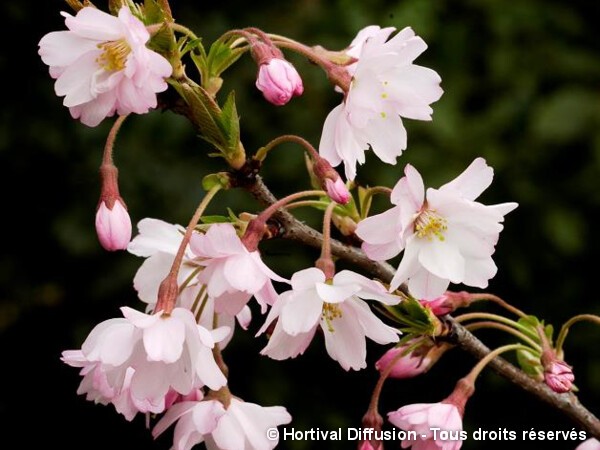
148,357
102,65
232,273
385,86
240,425
337,308
445,234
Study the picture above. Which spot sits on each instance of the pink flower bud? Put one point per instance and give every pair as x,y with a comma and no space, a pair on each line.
113,226
407,366
558,375
337,191
448,302
279,81
366,445
590,444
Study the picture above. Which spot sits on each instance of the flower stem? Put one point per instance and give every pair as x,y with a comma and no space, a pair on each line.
313,203
506,329
168,289
562,335
261,154
472,376
499,301
371,192
325,262
374,404
183,30
497,318
107,158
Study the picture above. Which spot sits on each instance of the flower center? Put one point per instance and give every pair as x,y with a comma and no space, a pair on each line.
429,225
114,56
330,312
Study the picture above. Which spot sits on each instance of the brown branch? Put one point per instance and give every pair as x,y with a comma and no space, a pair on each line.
568,404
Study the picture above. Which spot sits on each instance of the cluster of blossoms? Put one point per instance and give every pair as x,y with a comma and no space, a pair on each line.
197,282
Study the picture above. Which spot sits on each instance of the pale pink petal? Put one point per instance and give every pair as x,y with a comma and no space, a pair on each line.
369,289
381,252
111,342
345,340
410,190
208,371
139,319
373,327
242,274
63,48
282,345
94,24
334,293
229,435
206,415
409,265
155,236
164,340
150,274
473,181
443,259
265,269
171,416
413,89
244,317
387,135
95,111
231,303
75,81
380,228
307,278
479,271
266,296
327,146
301,312
424,285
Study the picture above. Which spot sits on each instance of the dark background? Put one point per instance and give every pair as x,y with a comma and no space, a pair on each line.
522,82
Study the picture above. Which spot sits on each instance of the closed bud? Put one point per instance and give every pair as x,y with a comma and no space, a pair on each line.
113,225
279,81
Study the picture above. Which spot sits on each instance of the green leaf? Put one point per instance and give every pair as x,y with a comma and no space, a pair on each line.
529,361
230,122
191,45
205,113
221,56
153,12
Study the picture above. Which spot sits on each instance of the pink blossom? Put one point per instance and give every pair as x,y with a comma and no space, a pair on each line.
408,366
337,191
558,375
148,355
232,273
422,417
385,86
337,308
102,65
590,444
446,235
113,226
279,81
239,426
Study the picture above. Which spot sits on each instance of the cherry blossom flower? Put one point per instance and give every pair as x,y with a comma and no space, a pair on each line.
279,81
102,65
148,355
113,226
385,86
232,273
422,417
446,235
241,425
337,308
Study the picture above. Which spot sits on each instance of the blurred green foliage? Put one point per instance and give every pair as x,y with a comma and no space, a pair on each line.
522,82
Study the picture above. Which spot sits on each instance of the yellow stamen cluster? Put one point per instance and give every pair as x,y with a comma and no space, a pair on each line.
114,56
429,225
330,312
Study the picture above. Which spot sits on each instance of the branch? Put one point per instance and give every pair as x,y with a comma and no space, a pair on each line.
295,230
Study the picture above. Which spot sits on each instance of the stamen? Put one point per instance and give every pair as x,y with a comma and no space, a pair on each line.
114,56
429,225
330,312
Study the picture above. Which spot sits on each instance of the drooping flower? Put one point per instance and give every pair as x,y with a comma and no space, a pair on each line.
385,86
446,235
232,273
113,226
241,425
337,308
422,417
148,355
102,65
404,366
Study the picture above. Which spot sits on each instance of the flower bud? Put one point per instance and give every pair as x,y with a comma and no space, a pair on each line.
279,81
337,190
418,361
558,375
113,225
448,302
